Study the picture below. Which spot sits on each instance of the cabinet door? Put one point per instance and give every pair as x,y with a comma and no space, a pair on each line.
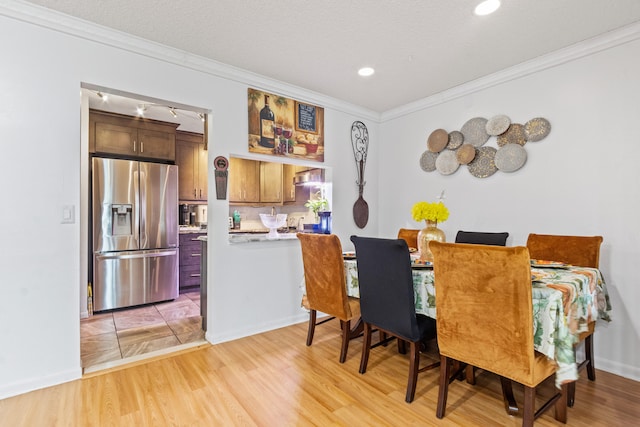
157,144
288,187
271,182
187,169
203,173
244,180
115,139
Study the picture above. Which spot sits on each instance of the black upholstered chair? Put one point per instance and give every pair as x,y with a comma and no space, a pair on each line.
482,238
387,301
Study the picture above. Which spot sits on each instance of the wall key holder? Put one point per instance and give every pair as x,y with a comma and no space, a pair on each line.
221,164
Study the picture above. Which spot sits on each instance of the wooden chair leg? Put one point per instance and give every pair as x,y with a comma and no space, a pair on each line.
510,404
366,347
443,388
588,351
414,366
346,330
528,412
402,346
312,326
571,394
470,372
561,404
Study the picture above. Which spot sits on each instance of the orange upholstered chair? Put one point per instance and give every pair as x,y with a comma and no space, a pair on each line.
485,319
410,236
325,284
583,251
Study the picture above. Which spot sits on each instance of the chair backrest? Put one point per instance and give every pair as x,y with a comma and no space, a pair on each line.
484,307
410,236
482,238
583,251
386,285
324,274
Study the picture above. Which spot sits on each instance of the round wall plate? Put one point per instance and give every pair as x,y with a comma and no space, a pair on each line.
510,157
498,125
428,161
483,165
475,131
437,140
537,129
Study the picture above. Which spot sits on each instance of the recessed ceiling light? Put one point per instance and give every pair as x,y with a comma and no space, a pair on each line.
366,71
487,7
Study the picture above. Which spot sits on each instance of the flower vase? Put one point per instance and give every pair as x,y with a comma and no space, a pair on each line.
426,235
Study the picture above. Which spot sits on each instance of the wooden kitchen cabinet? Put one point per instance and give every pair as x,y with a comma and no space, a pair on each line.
270,182
244,180
288,186
131,137
191,158
190,255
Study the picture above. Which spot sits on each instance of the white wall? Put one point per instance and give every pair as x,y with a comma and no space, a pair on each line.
582,179
252,287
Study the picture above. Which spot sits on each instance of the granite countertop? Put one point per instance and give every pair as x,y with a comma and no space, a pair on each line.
189,229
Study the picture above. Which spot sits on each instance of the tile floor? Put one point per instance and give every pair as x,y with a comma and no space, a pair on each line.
112,336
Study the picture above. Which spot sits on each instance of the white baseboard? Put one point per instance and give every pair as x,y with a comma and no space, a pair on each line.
9,390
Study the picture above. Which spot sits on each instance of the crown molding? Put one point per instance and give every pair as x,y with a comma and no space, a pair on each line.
57,21
571,53
47,18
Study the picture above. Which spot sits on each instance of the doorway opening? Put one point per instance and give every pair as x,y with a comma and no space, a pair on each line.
124,127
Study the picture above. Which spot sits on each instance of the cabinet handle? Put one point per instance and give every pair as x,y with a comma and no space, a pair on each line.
134,145
195,240
196,254
142,146
194,192
201,193
194,275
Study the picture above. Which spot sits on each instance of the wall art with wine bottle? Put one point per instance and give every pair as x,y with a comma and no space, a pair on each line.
281,126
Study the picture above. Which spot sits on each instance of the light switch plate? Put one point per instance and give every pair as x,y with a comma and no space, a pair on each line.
68,214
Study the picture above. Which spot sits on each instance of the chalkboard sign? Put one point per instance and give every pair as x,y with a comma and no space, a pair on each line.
306,118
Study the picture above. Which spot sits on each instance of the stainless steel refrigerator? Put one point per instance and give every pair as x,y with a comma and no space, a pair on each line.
134,232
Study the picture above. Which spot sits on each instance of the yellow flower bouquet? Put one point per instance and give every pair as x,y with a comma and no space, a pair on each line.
433,212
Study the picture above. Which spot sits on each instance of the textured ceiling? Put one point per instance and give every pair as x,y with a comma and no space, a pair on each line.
418,47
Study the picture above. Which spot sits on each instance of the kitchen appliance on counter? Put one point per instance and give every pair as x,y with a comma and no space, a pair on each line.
201,216
184,212
134,232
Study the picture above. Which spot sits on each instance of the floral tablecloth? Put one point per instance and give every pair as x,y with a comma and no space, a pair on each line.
565,300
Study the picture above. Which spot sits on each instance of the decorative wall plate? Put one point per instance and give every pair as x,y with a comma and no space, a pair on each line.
456,138
465,154
513,135
475,131
498,124
446,163
437,140
510,157
536,129
483,165
428,161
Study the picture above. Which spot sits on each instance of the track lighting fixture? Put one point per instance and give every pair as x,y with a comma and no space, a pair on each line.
173,112
201,116
102,96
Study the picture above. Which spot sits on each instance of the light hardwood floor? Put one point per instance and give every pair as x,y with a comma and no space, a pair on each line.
273,379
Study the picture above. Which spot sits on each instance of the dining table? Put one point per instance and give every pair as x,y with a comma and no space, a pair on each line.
565,298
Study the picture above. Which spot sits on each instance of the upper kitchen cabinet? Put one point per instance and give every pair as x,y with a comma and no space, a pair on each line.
288,184
191,158
270,182
244,180
131,137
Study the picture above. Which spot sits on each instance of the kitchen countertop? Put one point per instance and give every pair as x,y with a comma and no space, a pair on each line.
188,229
246,236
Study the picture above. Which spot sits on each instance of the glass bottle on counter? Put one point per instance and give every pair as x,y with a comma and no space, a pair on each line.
267,122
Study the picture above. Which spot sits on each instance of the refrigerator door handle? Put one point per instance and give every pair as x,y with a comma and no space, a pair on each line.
142,206
134,255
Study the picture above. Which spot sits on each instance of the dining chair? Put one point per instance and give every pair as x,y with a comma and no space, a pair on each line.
325,284
410,236
484,318
480,238
387,301
583,251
